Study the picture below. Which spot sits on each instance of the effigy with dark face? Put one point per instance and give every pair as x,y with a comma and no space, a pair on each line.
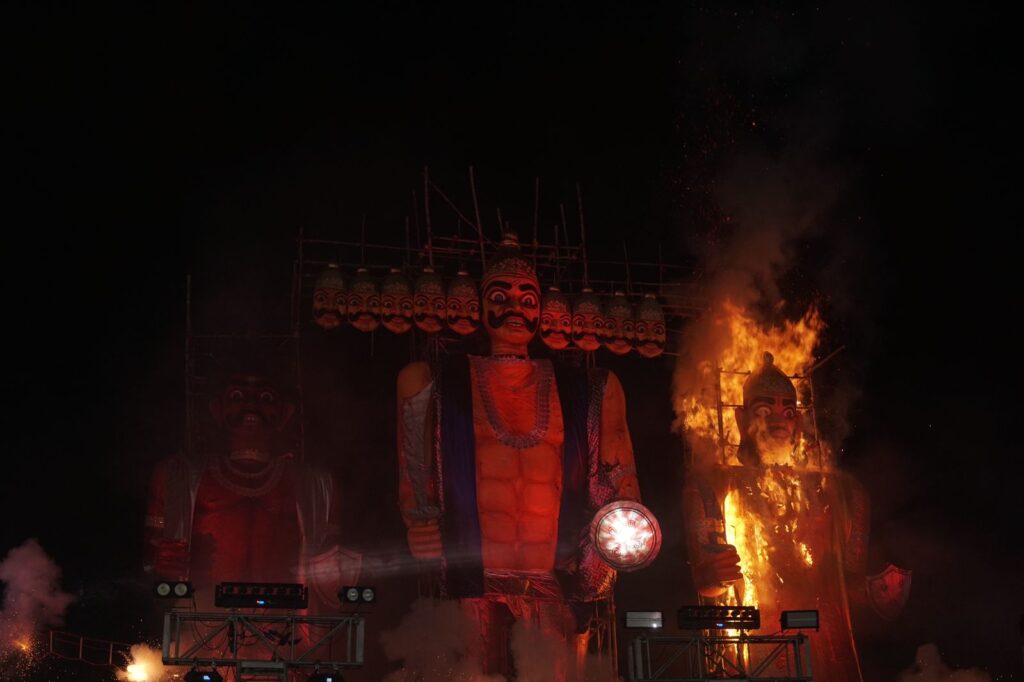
587,321
555,320
329,301
248,511
619,330
364,302
463,305
396,302
428,303
650,328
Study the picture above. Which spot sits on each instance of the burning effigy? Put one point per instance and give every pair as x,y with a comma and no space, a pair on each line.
771,521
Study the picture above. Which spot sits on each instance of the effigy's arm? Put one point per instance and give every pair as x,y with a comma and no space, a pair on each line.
164,556
713,563
417,490
856,526
616,449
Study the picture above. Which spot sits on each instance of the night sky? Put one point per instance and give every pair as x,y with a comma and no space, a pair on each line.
144,143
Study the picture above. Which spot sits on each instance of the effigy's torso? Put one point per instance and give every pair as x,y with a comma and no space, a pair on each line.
785,524
519,434
240,536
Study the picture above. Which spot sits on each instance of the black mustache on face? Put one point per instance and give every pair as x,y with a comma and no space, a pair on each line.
391,318
496,321
548,333
321,314
455,319
576,336
656,344
617,339
422,317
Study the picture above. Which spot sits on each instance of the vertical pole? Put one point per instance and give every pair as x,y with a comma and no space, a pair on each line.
721,416
536,208
479,224
426,216
188,366
583,235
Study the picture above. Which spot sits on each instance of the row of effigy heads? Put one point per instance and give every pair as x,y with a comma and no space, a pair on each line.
584,321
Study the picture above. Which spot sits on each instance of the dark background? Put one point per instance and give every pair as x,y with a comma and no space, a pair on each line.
146,142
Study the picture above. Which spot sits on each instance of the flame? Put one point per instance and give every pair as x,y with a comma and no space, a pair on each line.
145,664
762,517
745,342
137,672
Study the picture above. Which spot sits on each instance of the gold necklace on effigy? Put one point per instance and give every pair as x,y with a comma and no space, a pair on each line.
223,472
484,368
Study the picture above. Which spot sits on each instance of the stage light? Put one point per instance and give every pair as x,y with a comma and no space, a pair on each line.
719,618
643,619
211,675
261,595
799,620
176,590
626,535
355,593
325,677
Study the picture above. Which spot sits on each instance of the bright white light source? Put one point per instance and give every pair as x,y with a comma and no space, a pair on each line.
626,535
180,589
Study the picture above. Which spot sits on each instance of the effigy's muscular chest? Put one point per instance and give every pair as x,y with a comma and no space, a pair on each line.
519,436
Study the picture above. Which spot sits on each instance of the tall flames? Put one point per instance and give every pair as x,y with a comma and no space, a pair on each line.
763,519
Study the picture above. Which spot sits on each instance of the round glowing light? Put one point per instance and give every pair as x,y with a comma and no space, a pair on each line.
180,589
352,594
163,589
626,535
368,594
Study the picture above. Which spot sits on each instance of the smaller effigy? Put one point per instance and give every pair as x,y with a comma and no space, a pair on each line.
247,511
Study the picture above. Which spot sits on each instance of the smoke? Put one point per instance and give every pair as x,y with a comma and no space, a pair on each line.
928,667
538,655
145,663
432,643
32,595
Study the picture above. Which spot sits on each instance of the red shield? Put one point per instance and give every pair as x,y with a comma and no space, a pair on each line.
889,590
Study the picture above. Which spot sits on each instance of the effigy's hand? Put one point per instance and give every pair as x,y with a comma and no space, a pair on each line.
717,570
425,540
171,559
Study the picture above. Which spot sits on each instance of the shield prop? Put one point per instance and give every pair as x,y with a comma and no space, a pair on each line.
889,590
329,571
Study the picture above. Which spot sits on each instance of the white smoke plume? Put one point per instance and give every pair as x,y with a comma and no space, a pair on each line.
32,595
432,642
928,667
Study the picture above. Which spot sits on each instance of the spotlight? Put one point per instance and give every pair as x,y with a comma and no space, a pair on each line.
626,534
354,593
719,618
261,595
643,619
174,590
799,620
211,675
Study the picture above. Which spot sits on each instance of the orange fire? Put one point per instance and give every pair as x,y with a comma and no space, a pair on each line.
744,343
707,414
